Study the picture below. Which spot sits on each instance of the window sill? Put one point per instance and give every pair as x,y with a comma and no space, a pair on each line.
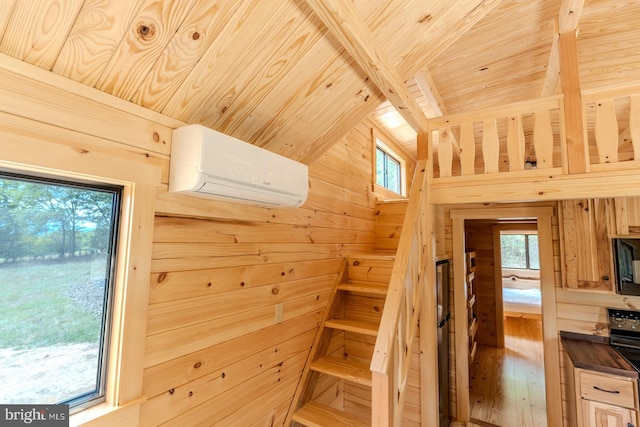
382,194
105,415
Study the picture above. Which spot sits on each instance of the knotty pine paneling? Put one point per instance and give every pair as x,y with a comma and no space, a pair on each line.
200,283
214,351
357,399
220,270
172,315
329,391
185,369
370,269
359,347
389,219
279,380
176,400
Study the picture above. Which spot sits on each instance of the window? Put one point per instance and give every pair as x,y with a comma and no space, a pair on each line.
520,251
389,168
57,263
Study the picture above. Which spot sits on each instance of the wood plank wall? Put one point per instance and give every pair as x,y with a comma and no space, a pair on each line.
389,218
216,346
219,273
214,352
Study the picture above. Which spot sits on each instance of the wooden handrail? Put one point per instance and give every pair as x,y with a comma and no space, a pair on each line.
614,115
392,352
506,124
506,137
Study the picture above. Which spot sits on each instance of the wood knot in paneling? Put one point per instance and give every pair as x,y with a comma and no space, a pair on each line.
362,95
146,31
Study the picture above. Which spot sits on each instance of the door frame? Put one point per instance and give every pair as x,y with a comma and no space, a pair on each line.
543,216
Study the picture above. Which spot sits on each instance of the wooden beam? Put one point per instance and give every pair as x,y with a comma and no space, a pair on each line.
346,24
428,88
410,64
552,77
568,17
570,11
575,152
430,91
422,139
537,185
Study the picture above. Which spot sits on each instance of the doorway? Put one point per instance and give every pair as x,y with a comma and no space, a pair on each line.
507,385
542,216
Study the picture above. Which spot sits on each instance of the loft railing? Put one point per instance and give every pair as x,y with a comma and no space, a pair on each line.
613,120
529,137
499,140
392,352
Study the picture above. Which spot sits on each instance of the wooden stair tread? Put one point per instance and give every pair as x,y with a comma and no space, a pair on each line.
358,326
316,415
373,255
342,368
372,288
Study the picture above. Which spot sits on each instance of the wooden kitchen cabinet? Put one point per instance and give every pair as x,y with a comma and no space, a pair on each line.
627,211
601,386
601,399
597,414
587,225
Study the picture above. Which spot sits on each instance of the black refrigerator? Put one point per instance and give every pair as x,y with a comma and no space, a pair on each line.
442,287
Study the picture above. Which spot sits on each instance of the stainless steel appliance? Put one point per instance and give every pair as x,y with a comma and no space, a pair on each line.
442,287
624,334
626,260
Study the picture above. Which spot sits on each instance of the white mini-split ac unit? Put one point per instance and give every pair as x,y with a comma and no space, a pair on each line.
210,164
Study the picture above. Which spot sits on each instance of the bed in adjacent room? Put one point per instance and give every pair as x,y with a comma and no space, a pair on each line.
521,298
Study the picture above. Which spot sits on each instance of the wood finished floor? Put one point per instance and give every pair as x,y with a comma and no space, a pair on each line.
507,385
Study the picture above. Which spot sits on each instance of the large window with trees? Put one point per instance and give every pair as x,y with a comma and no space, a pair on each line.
57,262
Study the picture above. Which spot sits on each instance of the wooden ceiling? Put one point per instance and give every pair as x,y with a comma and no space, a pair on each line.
294,76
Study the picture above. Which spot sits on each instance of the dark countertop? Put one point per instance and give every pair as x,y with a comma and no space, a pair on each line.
594,353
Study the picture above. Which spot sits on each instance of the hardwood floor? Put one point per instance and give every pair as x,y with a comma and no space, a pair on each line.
507,385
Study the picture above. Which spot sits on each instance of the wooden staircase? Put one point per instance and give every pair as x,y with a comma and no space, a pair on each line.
336,387
364,347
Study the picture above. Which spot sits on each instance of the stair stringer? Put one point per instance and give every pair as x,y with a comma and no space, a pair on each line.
321,345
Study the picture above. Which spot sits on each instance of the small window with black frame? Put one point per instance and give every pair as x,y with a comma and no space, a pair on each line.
57,261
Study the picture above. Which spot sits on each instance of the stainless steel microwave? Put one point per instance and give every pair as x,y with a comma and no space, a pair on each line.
626,261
